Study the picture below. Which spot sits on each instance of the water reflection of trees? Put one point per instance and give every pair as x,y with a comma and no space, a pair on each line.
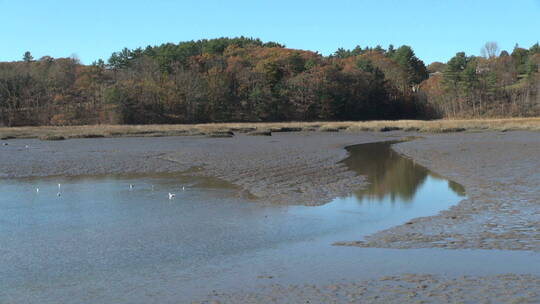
388,173
457,188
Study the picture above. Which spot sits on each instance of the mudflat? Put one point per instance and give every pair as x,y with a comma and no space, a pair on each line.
498,169
286,168
500,172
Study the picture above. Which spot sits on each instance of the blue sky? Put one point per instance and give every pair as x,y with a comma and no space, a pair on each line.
436,29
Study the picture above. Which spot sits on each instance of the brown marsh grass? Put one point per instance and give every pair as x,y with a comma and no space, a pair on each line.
433,126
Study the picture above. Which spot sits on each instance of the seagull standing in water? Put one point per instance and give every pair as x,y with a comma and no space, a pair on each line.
37,190
171,195
130,186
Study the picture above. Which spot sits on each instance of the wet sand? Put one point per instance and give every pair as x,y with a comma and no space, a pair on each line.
409,288
286,168
500,171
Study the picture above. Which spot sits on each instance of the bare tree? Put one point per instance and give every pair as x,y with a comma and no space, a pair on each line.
490,49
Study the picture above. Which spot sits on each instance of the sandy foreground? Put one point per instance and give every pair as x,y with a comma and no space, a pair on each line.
500,171
409,288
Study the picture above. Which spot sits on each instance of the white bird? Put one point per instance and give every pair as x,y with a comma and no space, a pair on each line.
27,146
183,188
37,190
59,185
130,186
171,195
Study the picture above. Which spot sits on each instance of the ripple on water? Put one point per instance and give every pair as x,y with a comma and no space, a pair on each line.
101,227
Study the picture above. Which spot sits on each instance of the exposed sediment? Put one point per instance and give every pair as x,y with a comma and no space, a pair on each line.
410,288
286,168
294,169
501,172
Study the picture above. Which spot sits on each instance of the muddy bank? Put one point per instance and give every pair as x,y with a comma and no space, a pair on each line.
501,175
498,169
412,288
286,168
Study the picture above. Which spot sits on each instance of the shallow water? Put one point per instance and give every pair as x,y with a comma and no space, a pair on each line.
103,240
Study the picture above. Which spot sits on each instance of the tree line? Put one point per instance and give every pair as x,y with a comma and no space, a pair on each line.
246,79
496,84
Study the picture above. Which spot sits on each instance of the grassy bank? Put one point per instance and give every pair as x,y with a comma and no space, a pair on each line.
435,126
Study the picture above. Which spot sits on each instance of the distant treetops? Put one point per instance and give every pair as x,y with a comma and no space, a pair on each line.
246,79
496,84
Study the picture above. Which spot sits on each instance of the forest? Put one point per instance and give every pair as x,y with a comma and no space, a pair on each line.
248,80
